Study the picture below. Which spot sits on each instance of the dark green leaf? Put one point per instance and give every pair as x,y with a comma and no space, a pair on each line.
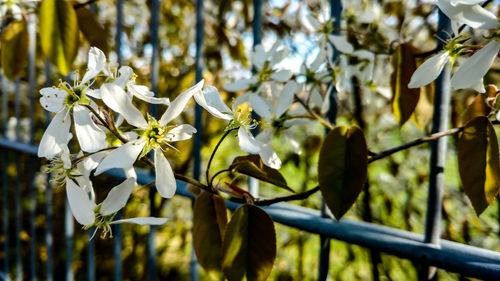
249,246
251,165
404,100
342,168
15,40
92,29
209,225
59,33
479,163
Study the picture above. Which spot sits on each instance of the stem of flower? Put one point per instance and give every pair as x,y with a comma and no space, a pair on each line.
111,128
216,174
416,142
78,159
268,202
209,181
322,120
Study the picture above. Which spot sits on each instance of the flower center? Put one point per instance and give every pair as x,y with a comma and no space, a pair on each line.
102,222
266,72
242,118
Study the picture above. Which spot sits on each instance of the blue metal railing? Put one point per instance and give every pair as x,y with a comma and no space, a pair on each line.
426,249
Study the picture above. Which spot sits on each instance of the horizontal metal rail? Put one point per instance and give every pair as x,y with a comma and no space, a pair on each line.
455,257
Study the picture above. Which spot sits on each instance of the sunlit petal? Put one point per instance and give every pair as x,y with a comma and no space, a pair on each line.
116,99
123,157
56,135
117,198
429,70
165,179
90,137
475,67
211,101
81,206
177,106
142,221
247,142
181,132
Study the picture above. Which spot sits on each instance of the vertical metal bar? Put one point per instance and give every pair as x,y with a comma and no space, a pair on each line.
151,236
119,29
155,64
253,184
68,233
198,124
17,111
5,209
440,122
48,192
117,228
90,255
324,254
257,22
31,168
155,7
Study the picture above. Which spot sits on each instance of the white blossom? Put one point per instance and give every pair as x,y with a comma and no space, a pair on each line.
89,214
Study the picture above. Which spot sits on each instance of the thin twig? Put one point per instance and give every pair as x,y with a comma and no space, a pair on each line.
78,159
267,202
209,181
322,120
416,142
216,174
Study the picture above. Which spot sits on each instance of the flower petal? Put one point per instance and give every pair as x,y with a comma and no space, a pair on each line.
52,99
177,106
239,85
165,179
260,106
269,157
90,137
286,98
96,62
126,73
341,44
211,101
247,142
117,198
143,93
429,70
474,16
472,70
116,98
282,75
142,221
181,132
55,137
81,206
123,157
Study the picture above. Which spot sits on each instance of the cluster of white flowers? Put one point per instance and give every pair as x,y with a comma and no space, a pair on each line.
89,105
471,72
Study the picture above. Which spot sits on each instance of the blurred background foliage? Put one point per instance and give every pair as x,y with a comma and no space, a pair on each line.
396,193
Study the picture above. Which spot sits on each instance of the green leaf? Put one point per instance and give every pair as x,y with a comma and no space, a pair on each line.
59,33
249,246
209,226
251,165
92,29
404,100
15,41
342,168
479,163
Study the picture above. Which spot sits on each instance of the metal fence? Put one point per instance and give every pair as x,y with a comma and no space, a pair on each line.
426,249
